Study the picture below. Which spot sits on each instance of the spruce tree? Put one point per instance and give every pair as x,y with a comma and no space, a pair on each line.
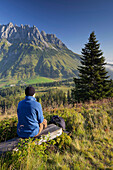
93,83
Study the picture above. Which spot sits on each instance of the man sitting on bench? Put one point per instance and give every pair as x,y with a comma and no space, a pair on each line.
30,116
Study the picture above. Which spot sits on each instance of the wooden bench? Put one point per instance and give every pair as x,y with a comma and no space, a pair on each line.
51,132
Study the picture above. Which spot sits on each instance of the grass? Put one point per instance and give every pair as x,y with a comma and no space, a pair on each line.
37,79
2,117
7,82
88,146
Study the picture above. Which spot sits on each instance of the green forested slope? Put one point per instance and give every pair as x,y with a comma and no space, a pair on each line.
26,60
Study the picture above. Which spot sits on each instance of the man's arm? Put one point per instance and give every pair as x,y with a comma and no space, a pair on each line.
40,116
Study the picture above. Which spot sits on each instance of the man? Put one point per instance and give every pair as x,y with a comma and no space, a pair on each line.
30,116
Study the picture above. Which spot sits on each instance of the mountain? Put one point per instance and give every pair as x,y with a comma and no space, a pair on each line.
26,52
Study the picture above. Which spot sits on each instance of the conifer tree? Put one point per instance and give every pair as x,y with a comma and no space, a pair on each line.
93,83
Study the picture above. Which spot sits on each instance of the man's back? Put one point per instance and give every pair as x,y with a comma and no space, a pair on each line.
29,116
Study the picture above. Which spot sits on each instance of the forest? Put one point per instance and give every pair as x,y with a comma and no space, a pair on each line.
50,94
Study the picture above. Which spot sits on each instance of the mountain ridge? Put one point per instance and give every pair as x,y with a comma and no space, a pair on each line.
26,52
27,34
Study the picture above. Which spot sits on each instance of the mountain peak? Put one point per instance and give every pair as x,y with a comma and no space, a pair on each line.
27,34
43,33
10,24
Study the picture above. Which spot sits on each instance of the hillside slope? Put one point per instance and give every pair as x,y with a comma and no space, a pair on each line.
26,52
89,145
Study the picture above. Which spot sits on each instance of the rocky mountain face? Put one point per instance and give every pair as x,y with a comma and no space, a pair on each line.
26,52
28,34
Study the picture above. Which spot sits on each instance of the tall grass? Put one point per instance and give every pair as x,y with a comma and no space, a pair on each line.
88,146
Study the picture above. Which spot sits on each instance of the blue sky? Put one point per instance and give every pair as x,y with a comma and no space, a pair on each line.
71,20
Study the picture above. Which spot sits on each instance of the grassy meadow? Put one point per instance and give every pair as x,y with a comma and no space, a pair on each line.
11,81
89,144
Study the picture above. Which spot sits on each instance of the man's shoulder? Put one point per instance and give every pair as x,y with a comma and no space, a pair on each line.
36,103
22,101
33,103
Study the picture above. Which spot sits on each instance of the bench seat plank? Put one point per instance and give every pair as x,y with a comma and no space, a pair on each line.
51,132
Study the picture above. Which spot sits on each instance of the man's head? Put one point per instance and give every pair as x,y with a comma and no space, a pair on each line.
29,91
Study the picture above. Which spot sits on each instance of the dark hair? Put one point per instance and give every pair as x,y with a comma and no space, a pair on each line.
29,91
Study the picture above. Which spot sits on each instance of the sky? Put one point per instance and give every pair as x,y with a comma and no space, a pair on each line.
71,20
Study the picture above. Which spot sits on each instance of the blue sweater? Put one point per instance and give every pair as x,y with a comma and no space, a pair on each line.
29,116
